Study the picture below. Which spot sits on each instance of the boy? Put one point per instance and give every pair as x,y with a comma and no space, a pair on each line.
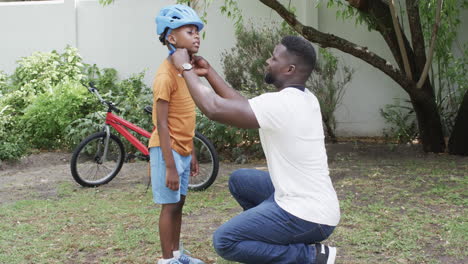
171,144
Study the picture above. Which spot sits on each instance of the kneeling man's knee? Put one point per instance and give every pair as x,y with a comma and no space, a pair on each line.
235,178
221,242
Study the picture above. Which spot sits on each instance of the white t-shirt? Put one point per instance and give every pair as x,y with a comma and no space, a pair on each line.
292,138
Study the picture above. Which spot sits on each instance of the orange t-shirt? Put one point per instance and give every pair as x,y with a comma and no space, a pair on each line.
168,85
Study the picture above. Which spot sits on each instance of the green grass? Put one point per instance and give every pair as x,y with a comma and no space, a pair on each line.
409,210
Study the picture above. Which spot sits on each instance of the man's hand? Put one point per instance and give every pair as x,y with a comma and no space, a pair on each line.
201,66
172,179
180,57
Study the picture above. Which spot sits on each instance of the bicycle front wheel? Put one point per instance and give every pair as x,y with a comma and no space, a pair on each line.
97,160
208,162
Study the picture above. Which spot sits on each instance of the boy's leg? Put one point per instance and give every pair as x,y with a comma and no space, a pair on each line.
172,202
250,187
268,234
168,226
178,224
183,168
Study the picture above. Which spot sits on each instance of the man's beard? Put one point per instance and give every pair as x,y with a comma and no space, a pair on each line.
269,78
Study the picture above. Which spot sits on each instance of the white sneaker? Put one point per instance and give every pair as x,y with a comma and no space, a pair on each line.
171,261
325,254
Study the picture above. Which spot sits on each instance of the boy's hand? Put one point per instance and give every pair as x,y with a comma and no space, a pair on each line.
201,66
179,57
172,179
194,168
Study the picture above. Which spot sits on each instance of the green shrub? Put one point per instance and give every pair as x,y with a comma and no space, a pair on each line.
43,104
11,144
230,142
130,96
328,83
106,79
244,65
402,121
41,71
3,83
45,121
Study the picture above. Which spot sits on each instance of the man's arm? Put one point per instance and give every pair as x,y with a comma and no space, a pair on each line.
232,111
216,82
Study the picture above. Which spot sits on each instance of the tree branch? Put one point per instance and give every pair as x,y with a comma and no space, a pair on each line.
417,36
379,12
328,40
428,64
396,25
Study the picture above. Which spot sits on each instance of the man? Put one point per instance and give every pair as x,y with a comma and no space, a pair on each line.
291,208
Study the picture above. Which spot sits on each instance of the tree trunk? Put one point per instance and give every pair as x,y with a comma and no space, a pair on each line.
423,100
458,142
429,122
329,131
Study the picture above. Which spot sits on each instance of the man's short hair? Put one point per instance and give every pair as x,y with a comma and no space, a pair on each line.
302,49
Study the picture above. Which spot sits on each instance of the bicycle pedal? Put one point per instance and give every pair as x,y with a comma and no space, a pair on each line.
130,157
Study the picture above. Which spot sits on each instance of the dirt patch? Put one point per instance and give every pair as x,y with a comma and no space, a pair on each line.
37,176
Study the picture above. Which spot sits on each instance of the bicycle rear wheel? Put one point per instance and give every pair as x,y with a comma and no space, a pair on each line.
208,162
92,164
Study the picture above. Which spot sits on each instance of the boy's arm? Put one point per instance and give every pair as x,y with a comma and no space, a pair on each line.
194,167
172,177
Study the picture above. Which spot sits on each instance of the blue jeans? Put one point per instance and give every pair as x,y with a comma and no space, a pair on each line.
265,233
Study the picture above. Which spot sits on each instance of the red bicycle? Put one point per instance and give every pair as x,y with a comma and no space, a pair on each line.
100,156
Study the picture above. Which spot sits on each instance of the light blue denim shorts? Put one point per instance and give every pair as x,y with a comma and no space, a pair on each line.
161,193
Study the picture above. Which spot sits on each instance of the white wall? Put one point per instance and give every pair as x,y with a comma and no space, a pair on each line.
36,26
122,36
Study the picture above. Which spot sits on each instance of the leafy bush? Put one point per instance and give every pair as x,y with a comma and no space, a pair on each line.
402,120
327,83
41,71
45,121
232,143
3,83
105,79
11,144
130,95
244,65
45,105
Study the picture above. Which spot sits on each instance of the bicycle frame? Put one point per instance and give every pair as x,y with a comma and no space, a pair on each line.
120,125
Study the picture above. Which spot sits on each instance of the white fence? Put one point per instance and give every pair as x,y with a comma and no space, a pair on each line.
122,36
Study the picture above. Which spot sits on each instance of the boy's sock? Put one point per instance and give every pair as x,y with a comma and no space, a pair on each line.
176,254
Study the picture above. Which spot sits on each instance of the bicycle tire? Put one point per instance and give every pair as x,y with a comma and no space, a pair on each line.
88,157
208,161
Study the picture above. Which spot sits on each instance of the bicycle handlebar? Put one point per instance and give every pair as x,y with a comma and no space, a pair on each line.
92,89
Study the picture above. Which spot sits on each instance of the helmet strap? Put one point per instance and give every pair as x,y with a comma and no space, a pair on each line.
172,49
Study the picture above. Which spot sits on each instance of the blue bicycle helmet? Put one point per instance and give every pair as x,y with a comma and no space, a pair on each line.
175,16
